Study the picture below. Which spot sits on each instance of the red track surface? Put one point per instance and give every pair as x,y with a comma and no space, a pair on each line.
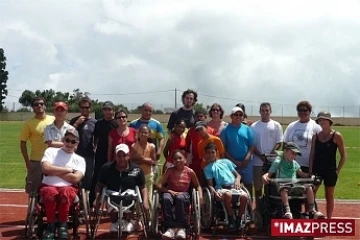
13,211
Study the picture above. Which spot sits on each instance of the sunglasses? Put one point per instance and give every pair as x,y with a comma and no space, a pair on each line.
85,107
121,117
238,115
215,110
70,141
38,104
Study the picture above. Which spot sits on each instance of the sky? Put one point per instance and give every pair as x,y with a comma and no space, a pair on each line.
132,52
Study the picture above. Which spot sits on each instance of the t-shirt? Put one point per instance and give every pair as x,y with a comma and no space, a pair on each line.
129,139
157,130
266,136
58,157
111,177
52,133
212,139
179,182
146,153
176,143
192,140
86,133
187,115
221,171
283,168
33,131
101,134
237,140
301,134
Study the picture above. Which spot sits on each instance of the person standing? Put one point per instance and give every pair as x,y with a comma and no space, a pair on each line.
85,126
323,158
33,131
268,136
301,132
186,112
245,120
101,133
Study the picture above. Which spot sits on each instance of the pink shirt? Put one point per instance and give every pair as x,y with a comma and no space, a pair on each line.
179,182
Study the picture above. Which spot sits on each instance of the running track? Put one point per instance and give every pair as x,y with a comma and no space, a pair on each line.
13,206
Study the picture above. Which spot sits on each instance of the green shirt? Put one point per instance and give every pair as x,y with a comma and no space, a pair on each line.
283,168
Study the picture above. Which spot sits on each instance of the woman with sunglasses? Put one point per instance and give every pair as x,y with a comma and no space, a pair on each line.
301,132
121,134
216,113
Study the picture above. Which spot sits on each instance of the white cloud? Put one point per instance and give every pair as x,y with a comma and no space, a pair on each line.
276,51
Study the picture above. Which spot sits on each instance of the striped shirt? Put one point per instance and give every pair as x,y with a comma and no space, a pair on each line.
52,133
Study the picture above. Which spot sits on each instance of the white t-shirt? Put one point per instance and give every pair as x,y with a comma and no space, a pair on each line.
266,135
301,134
60,158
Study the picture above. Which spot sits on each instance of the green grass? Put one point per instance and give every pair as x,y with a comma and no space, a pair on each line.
12,167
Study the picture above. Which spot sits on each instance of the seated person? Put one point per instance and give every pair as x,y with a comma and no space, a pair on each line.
227,179
286,167
63,169
124,175
178,179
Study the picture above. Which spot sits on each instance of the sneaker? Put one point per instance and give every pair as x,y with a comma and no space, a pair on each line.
169,234
114,227
181,234
49,232
288,215
129,227
318,215
63,231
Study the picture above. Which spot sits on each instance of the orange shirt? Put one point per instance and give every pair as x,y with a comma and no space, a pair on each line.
192,140
202,144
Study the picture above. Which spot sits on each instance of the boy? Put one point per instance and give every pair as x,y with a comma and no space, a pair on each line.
287,167
227,180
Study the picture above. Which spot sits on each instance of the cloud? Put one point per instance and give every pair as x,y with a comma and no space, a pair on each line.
276,51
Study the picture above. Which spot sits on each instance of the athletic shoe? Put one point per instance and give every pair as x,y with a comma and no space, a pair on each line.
169,234
181,234
63,231
288,215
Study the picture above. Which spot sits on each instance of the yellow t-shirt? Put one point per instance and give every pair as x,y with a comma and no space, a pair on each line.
33,131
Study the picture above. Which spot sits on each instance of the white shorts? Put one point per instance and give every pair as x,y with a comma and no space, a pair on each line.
236,194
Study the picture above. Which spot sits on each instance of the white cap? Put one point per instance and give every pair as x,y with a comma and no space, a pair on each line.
122,147
236,109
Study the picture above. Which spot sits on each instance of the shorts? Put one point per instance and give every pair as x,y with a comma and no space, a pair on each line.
258,172
124,203
292,189
236,198
330,178
34,177
246,174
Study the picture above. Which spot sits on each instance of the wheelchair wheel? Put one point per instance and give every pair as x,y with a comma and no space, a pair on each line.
96,221
120,218
143,215
207,209
196,212
30,217
258,220
155,213
85,206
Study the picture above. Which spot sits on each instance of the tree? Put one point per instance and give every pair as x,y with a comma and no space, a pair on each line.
26,98
3,79
158,111
199,107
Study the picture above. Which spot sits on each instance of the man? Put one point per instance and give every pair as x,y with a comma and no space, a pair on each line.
239,146
101,133
268,135
63,169
157,131
85,125
33,131
54,133
186,112
121,175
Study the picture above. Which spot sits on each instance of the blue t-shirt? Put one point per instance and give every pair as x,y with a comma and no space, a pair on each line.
221,171
283,168
237,140
157,131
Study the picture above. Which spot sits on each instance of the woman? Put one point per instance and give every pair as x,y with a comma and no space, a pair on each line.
178,179
246,120
121,134
216,113
323,157
177,141
301,132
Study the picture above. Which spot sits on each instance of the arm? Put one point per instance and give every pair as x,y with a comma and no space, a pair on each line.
110,149
153,154
302,174
171,123
312,154
73,178
164,180
188,141
340,143
161,139
279,138
25,154
49,169
210,185
98,191
166,148
237,179
196,184
49,141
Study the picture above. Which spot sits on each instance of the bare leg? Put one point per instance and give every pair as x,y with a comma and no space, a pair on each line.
329,195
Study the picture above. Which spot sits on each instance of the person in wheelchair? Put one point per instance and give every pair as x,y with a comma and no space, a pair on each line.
227,180
121,175
286,167
63,169
178,179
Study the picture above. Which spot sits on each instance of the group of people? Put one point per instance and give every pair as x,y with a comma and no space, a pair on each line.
197,150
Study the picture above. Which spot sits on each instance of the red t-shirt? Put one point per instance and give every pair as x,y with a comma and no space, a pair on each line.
129,139
177,142
192,140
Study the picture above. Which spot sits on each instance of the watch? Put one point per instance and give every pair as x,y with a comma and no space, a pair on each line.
74,170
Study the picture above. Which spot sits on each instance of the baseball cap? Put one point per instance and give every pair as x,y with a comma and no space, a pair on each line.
292,146
73,132
236,109
122,147
108,104
200,124
62,105
324,115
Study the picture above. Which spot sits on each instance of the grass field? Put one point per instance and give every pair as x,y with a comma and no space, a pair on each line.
12,168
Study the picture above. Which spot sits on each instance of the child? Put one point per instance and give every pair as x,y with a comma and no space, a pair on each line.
226,179
143,154
178,179
176,141
287,167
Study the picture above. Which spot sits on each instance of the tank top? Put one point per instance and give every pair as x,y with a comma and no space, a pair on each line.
179,182
325,155
146,153
178,143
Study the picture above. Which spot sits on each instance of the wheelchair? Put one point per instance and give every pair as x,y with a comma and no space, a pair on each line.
270,205
78,213
193,215
128,204
214,213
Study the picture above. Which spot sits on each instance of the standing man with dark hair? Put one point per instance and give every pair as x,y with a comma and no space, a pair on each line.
85,125
186,112
101,134
33,131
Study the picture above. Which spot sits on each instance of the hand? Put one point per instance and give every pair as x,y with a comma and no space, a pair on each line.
245,163
337,172
237,185
173,193
28,165
158,155
265,180
80,120
239,164
217,196
146,206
